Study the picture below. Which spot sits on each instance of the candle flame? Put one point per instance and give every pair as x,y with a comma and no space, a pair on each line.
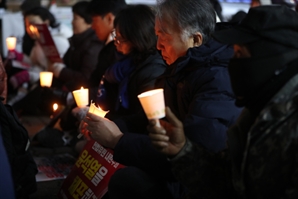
55,106
32,28
98,107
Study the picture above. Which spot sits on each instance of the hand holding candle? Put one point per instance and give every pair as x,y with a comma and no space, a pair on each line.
97,111
46,78
81,97
153,104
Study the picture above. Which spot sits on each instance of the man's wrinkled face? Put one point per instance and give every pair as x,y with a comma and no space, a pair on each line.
170,43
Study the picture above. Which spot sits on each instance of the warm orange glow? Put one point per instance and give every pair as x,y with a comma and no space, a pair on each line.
33,29
11,43
55,106
97,110
46,78
81,96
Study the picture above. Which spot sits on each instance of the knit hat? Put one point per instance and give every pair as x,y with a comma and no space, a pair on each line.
274,23
29,4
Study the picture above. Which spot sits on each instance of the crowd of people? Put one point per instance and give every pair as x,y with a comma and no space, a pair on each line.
230,91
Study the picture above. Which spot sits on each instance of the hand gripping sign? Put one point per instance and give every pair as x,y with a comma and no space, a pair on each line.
91,173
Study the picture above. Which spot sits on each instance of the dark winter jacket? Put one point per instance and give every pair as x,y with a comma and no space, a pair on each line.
261,161
106,58
16,142
197,88
142,78
80,59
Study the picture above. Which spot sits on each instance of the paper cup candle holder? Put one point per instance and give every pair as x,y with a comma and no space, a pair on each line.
81,97
45,78
11,43
97,110
153,104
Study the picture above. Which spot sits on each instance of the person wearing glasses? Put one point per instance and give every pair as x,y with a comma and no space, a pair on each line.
136,71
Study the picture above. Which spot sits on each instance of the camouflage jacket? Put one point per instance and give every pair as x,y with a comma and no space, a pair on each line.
260,164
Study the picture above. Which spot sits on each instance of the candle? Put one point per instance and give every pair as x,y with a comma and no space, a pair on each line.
81,97
55,110
97,110
45,78
153,104
33,32
11,43
55,107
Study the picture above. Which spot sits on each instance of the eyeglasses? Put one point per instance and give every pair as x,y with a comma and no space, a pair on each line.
117,41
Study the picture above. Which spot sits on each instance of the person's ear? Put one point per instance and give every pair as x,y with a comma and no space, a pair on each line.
197,39
110,18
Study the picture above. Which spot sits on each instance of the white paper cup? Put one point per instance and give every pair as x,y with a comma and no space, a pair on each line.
11,43
153,103
81,97
45,78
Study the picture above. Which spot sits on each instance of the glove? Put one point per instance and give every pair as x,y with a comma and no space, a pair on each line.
13,54
80,113
56,68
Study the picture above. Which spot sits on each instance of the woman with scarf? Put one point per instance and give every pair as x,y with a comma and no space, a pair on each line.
136,71
139,66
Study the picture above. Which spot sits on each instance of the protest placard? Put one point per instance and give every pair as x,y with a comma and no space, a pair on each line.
91,173
44,37
53,167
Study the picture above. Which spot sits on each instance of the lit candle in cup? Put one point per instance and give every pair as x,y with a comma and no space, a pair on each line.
153,104
11,43
97,111
81,97
33,31
55,107
55,110
45,78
